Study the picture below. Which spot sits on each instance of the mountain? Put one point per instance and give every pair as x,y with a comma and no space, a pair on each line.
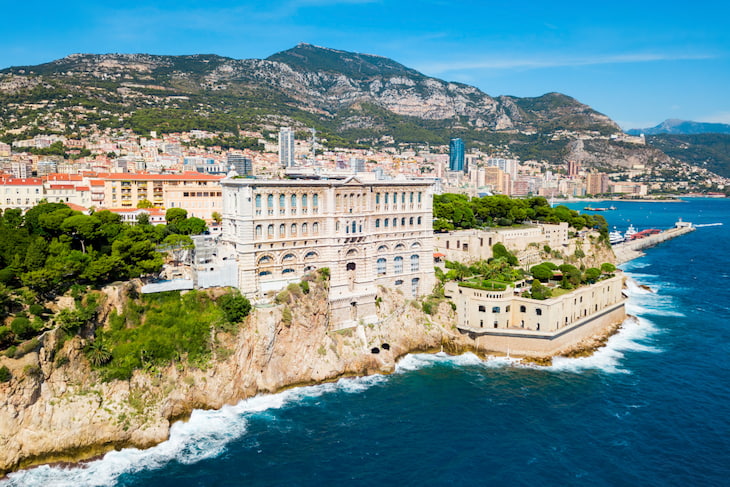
351,99
710,151
686,127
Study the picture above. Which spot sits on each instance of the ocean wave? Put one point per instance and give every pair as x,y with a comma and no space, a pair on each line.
205,435
609,358
417,361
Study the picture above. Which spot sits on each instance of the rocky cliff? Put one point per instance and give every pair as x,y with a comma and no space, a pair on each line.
60,410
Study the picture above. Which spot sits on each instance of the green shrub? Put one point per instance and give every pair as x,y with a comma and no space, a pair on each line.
36,309
21,327
305,287
26,347
286,316
235,307
5,374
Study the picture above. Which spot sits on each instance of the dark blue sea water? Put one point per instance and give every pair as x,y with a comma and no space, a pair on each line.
650,409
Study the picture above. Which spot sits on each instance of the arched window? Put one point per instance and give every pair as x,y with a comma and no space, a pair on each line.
399,282
270,230
288,258
414,263
381,266
315,227
538,312
293,201
304,229
382,249
386,198
395,222
415,245
270,201
282,230
293,229
315,200
411,196
419,197
410,220
265,259
258,201
258,230
288,271
304,200
403,221
282,201
310,255
377,198
523,309
395,198
400,246
354,227
377,223
264,273
419,218
385,220
398,265
403,197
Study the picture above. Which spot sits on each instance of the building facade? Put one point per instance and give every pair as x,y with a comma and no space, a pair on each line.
286,147
456,155
504,321
367,233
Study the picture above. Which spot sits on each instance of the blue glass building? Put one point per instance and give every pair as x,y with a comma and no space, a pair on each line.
456,155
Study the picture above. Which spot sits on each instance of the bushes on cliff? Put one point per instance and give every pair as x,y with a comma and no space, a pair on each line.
234,306
152,332
5,374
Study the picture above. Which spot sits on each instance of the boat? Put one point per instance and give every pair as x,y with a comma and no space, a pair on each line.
611,207
615,237
630,232
590,208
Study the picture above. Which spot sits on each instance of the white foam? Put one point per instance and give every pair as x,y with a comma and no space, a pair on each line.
417,361
205,435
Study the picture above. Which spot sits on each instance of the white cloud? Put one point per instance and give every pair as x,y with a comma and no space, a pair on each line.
554,62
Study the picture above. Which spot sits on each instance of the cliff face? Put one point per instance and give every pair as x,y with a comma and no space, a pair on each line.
57,410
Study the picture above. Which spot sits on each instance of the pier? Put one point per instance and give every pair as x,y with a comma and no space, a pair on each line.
626,251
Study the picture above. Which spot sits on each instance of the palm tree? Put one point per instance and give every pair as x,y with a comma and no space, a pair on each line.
98,353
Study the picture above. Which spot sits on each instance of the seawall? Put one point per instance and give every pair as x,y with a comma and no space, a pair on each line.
627,251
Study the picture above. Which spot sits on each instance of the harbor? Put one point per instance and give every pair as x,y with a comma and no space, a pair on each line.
631,248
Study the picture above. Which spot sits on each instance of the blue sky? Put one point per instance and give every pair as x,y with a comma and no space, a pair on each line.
637,62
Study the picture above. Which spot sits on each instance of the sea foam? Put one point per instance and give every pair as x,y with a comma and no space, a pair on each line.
205,435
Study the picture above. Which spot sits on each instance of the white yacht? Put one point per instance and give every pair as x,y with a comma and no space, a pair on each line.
615,237
630,232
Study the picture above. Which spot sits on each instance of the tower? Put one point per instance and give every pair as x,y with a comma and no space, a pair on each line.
456,155
286,147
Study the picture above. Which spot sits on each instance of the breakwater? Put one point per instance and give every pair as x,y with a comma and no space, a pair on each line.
626,251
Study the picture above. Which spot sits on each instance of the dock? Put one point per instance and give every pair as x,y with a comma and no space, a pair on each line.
626,251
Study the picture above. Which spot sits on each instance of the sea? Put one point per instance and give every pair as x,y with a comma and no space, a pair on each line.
652,408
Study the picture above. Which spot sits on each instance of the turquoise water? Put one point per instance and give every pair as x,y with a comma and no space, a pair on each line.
652,408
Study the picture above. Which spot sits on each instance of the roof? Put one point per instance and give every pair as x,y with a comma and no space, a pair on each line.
61,186
64,177
188,176
22,182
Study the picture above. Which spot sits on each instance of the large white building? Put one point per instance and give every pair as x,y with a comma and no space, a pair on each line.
368,233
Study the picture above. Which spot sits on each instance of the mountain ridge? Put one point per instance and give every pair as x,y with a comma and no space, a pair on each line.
683,127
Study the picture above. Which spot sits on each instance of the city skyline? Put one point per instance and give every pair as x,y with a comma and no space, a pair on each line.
637,63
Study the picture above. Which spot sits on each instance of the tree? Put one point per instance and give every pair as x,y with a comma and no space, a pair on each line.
98,353
608,268
191,226
541,272
177,246
5,374
592,274
143,218
499,250
538,291
82,228
235,307
175,215
217,217
145,204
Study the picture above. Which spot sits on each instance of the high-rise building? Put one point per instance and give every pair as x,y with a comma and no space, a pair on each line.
286,147
456,155
596,183
241,164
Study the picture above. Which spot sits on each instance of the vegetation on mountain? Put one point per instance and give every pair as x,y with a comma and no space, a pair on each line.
709,150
